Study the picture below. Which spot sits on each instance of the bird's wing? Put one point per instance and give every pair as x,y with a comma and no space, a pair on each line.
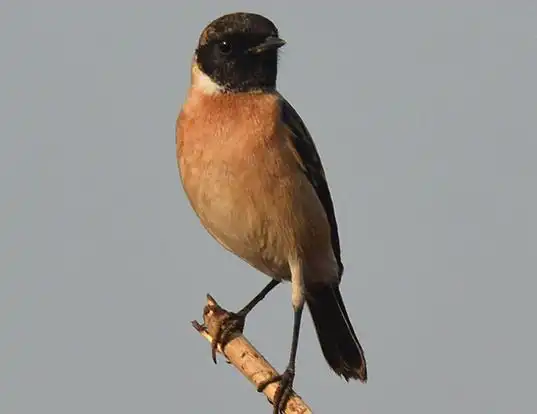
310,163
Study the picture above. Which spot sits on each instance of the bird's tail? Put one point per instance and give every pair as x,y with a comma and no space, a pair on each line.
337,338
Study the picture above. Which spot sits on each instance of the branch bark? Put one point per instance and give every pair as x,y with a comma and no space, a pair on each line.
244,357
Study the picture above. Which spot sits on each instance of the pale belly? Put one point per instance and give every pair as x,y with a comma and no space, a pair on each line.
247,215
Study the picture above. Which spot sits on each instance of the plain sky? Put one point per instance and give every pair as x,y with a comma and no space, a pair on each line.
425,116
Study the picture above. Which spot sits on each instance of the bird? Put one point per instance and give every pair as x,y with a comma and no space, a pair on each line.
252,174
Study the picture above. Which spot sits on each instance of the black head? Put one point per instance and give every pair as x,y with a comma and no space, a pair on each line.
239,52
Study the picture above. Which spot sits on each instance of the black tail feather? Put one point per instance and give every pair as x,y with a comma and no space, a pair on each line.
336,335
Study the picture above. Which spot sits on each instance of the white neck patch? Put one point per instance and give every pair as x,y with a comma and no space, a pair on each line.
204,83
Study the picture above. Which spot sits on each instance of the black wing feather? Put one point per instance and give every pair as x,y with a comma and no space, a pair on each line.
313,169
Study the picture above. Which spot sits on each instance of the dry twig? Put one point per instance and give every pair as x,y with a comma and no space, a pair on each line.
243,356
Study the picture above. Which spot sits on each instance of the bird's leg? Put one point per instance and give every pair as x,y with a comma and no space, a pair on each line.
258,298
286,379
233,322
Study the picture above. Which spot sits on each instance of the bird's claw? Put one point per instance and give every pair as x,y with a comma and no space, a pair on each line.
285,388
228,324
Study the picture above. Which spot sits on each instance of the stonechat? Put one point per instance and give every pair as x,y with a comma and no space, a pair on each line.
253,176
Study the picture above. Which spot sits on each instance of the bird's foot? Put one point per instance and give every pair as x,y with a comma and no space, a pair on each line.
284,391
232,323
223,324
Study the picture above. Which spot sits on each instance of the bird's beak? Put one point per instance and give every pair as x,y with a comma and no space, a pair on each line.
270,43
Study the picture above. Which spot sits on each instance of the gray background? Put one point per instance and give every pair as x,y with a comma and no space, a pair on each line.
425,116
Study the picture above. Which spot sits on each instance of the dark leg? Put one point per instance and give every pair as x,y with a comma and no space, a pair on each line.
258,298
235,321
286,379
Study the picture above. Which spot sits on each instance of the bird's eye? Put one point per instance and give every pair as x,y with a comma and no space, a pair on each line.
224,47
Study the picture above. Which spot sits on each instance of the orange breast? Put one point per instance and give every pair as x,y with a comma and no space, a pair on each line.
244,183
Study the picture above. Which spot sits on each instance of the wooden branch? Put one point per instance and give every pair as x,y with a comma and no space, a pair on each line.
243,356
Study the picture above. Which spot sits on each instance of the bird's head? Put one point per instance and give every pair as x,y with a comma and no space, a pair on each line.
238,52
